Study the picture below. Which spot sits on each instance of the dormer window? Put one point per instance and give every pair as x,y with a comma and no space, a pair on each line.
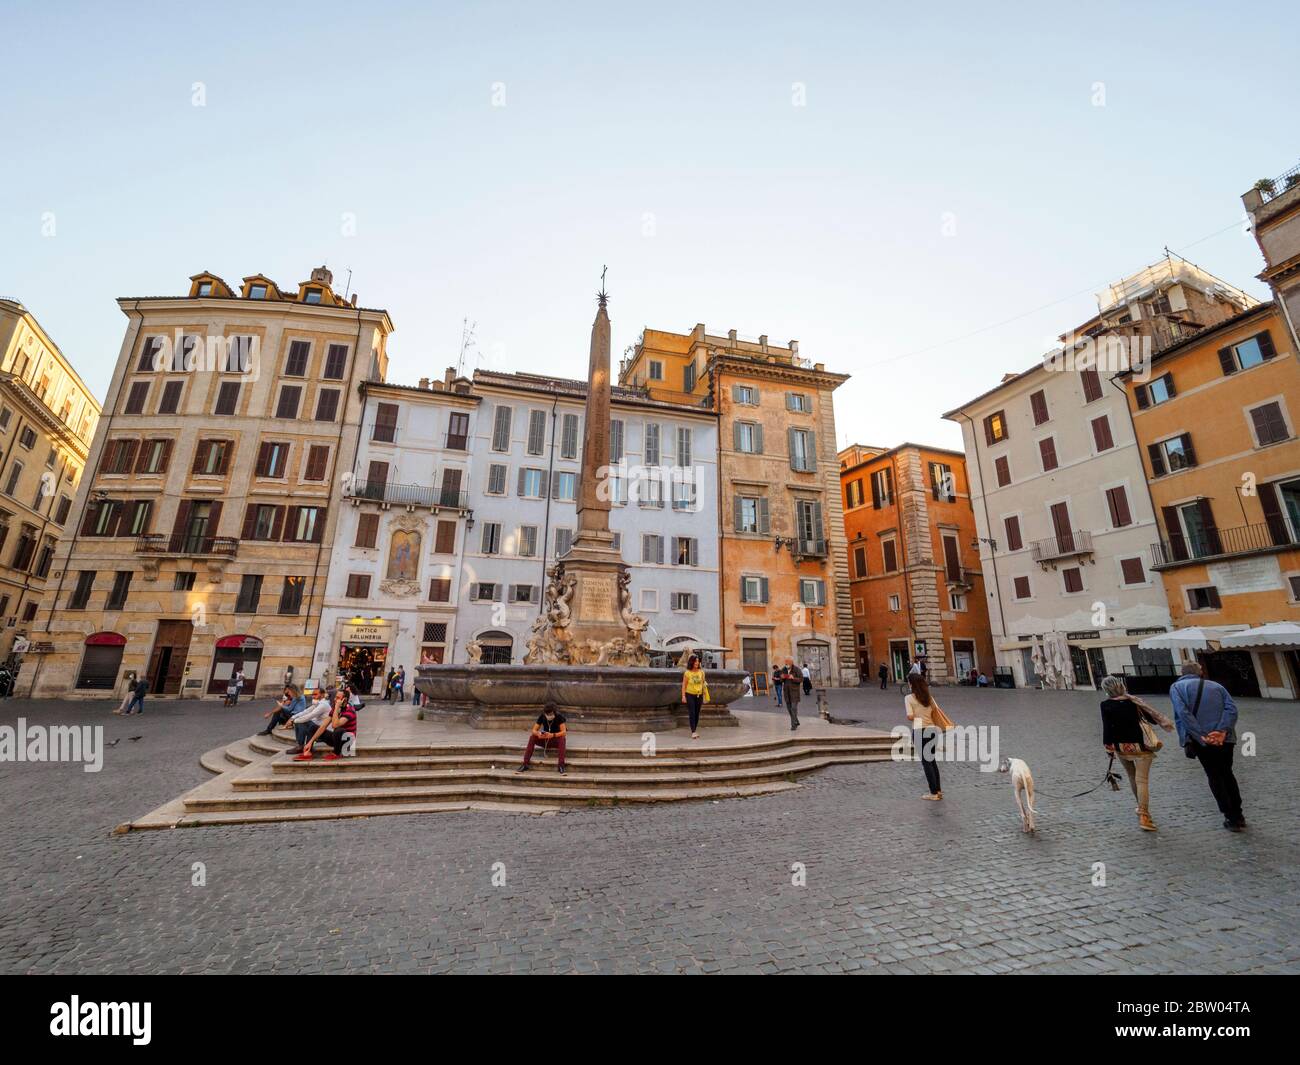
205,288
312,295
257,292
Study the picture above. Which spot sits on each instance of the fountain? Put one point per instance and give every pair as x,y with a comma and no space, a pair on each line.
586,655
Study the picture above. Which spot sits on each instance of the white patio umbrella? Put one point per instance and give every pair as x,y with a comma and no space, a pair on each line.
1039,660
1278,635
1196,638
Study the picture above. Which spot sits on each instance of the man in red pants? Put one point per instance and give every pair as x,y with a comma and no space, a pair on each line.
549,730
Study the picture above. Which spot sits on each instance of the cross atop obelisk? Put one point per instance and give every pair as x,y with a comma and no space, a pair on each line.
593,503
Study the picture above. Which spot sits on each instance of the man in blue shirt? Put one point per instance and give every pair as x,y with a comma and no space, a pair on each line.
1206,718
293,702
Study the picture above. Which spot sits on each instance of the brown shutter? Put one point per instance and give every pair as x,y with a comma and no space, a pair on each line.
1061,526
1038,403
227,448
1273,516
263,459
1188,449
318,533
250,521
1143,398
952,558
1212,595
166,456
1265,341
1003,470
1101,433
1174,531
142,457
200,456
1227,361
214,517
130,448
87,522
290,524
1047,452
1211,530
182,517
1157,458
988,430
1014,540
277,523
1169,384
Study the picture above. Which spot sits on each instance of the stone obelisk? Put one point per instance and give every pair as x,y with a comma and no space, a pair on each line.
587,616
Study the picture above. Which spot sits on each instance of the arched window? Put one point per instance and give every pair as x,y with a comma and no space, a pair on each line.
498,647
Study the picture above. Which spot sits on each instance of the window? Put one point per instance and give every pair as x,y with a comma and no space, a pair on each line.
684,491
523,593
263,521
527,542
1020,586
305,525
296,363
1131,570
501,428
257,292
211,457
803,451
957,601
205,288
1038,404
685,602
882,488
889,552
1012,526
1101,435
440,589
569,437
752,515
15,471
272,458
1091,385
1206,598
1269,424
317,460
154,456
995,427
536,432
532,483
1073,578
746,395
367,530
686,551
808,527
81,593
853,495
385,427
137,517
1047,453
444,540
490,544
496,485
312,295
812,592
798,402
563,542
135,400
859,561
753,590
1002,470
688,377
291,595
358,586
1170,456
652,549
149,349
1295,587
121,588
748,437
1247,353
684,443
616,440
336,362
170,401
565,486
227,398
483,592
1117,505
458,431
895,604
61,512
327,404
183,581
943,486
656,370
1161,390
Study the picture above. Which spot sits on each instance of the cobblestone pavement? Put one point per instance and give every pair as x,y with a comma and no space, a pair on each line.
894,884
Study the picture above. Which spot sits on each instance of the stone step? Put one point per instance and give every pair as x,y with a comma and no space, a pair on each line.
595,759
183,819
338,803
655,776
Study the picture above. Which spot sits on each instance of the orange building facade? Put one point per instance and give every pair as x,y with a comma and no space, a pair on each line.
783,582
915,586
1216,423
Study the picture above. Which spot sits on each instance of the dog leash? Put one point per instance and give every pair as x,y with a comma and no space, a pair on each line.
1110,778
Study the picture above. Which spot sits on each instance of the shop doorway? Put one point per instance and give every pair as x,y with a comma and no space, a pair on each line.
817,657
171,648
899,658
362,664
963,658
753,659
235,653
1234,670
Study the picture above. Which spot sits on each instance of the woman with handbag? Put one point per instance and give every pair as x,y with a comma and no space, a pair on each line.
695,693
928,722
1128,732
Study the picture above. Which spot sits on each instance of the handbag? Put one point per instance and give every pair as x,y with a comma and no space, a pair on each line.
1150,741
940,719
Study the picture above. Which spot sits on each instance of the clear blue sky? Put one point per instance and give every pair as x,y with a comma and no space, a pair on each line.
660,139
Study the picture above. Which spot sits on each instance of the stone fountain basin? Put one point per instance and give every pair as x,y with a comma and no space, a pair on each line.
603,698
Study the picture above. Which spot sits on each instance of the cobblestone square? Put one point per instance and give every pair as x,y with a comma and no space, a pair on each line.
893,884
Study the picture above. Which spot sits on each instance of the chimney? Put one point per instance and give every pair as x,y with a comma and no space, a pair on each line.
322,276
354,299
450,375
424,382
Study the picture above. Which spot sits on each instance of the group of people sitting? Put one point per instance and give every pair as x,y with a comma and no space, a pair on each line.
329,717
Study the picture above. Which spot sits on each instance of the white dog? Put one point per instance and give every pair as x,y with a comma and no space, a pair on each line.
1022,780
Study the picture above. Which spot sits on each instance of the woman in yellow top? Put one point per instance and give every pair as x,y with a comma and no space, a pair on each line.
921,705
695,690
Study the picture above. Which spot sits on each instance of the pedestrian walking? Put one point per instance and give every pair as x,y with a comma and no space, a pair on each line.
1206,718
777,677
1128,733
790,681
695,693
883,674
807,679
921,710
138,691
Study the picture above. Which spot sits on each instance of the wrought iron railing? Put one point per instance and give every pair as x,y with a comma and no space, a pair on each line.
1063,545
1272,188
810,548
419,495
1219,543
187,544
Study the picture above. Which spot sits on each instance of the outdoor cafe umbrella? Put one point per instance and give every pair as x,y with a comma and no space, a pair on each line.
1196,638
1279,635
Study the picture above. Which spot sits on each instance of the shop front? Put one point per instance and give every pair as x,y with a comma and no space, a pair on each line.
232,655
364,648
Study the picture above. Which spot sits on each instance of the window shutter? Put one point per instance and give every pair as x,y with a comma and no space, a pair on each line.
182,517
1157,458
277,523
520,490
263,459
1169,384
473,590
200,456
1211,530
1143,397
758,438
1174,531
250,521
764,525
789,444
501,430
1187,447
735,393
735,436
1101,433
166,456
1227,361
214,517
1265,341
876,501
738,505
988,430
659,550
290,524
1273,516
546,484
762,589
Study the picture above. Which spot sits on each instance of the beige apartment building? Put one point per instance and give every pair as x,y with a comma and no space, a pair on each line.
206,521
47,421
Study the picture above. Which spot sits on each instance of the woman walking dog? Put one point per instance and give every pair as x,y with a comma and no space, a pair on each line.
928,723
1127,733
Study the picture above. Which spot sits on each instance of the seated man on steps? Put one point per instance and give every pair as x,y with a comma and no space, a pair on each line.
549,729
338,731
292,702
306,722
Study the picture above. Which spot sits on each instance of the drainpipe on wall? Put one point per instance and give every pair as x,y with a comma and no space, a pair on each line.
993,555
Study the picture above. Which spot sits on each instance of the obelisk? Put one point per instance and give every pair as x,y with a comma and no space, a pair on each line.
594,480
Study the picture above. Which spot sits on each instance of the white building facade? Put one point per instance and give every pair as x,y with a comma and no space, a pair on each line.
395,574
1065,522
527,450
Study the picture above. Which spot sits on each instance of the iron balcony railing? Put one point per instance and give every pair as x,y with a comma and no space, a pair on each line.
418,495
457,442
187,544
1063,545
1220,543
810,548
959,576
383,432
1272,188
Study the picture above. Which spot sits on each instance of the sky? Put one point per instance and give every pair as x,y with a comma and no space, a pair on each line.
923,195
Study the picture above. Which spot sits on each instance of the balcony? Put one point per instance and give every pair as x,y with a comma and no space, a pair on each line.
409,495
1220,543
383,432
961,577
1062,546
456,442
809,548
188,544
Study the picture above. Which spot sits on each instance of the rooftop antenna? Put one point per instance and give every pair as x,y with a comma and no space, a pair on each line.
466,342
348,287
